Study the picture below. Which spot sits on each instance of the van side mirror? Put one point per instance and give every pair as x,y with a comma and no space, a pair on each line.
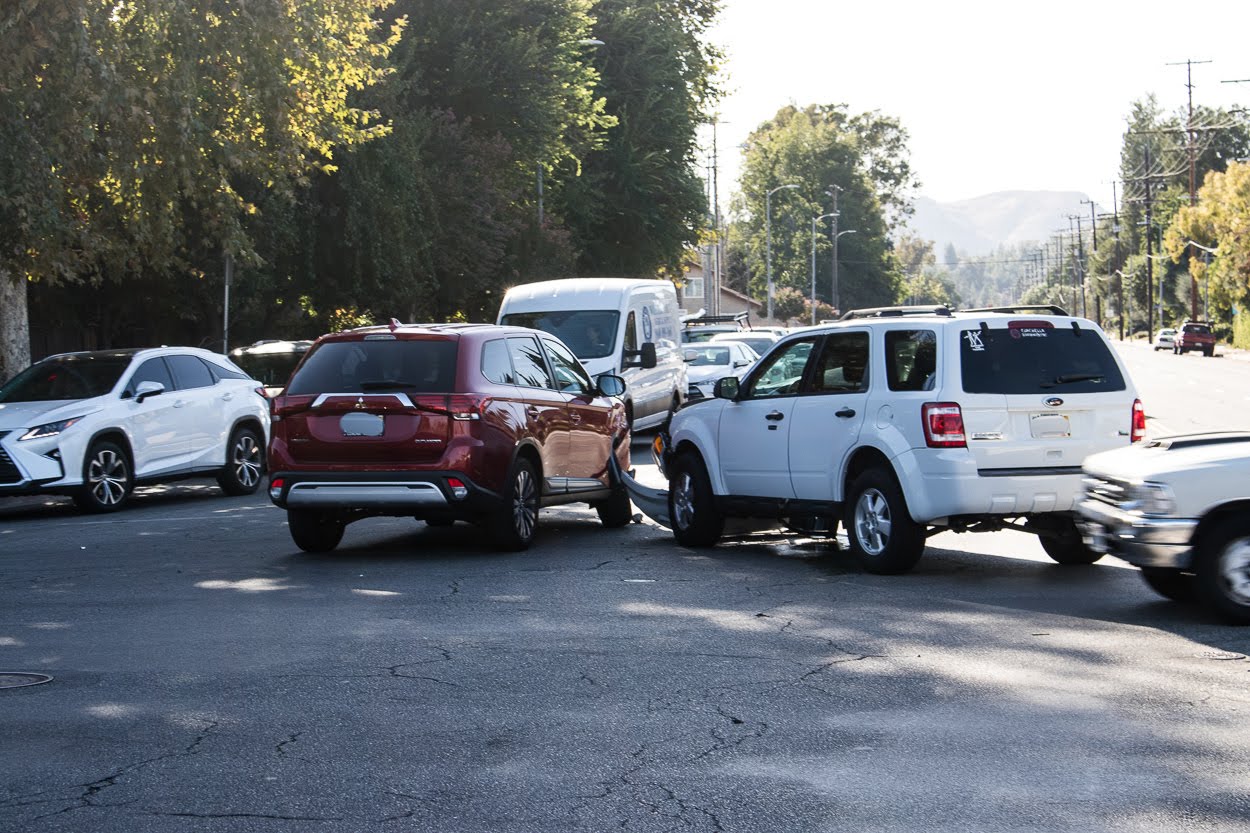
609,385
146,389
726,388
644,357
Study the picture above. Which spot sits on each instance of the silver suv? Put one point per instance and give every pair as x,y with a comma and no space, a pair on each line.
899,423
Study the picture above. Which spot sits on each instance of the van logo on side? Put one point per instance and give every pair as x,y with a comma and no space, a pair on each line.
646,324
1053,402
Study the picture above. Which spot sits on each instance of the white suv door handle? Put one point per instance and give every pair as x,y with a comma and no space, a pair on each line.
178,403
227,396
774,416
845,413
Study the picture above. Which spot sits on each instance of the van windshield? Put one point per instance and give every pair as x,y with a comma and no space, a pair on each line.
590,334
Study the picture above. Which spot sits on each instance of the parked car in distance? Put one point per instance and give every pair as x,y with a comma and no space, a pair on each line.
701,327
617,326
1194,335
444,423
270,361
759,340
899,422
1164,339
712,360
94,425
1178,508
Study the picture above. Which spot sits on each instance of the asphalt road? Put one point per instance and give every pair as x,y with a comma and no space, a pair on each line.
210,677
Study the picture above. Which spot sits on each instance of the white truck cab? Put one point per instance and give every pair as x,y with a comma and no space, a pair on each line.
622,326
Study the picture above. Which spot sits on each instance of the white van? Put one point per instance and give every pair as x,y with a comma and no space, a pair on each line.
627,327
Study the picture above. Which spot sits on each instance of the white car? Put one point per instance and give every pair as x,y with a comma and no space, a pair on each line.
761,341
1178,508
94,425
711,360
901,422
1163,341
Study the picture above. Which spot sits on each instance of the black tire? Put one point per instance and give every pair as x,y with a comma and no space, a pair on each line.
673,406
514,524
883,537
1170,584
1208,351
314,531
1062,542
1222,564
107,478
245,463
691,503
616,511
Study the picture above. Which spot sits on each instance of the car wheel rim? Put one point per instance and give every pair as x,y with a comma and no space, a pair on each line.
683,501
106,478
247,461
524,505
872,522
1235,570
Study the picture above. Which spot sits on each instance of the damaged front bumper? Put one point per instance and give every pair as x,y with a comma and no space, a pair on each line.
650,501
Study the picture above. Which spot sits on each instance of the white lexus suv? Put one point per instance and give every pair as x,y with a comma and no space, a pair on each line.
94,425
899,423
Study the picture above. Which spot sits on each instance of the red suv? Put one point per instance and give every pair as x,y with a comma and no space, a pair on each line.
444,422
1194,335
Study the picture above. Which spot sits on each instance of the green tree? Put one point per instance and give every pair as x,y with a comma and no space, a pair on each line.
819,148
634,205
144,131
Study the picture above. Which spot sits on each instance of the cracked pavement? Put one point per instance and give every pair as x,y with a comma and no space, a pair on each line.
213,678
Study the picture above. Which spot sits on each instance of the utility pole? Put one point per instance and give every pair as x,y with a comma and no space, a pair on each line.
1150,261
1191,142
1115,229
717,265
833,291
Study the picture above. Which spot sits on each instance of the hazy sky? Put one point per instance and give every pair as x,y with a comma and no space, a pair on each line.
996,96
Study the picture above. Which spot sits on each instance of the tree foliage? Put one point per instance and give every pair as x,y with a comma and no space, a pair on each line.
819,148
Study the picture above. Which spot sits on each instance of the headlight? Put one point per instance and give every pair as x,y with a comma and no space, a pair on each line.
50,429
1154,499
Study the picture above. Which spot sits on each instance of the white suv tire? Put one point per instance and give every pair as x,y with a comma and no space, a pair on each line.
883,537
691,503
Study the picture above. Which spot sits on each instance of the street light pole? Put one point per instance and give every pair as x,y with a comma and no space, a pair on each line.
833,297
815,220
768,242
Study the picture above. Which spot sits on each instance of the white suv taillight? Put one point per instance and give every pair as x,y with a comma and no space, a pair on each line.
943,425
1139,421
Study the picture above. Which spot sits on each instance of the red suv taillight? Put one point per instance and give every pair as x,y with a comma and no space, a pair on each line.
275,488
466,407
1139,421
943,425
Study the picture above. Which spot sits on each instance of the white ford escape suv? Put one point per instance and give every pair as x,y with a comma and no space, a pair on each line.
901,422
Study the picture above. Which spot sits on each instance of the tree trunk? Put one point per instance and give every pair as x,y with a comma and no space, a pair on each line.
14,327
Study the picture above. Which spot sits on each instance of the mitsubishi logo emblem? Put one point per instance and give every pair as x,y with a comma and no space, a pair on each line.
360,403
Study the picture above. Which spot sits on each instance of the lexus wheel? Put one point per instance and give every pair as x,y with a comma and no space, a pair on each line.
107,480
245,463
882,535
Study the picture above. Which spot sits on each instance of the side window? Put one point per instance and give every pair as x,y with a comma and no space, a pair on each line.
527,358
781,372
220,372
910,359
189,372
153,370
842,366
496,366
571,377
631,333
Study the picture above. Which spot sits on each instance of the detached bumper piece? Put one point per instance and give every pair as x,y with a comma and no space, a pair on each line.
652,502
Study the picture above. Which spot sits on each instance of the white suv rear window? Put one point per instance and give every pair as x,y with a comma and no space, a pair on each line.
1037,357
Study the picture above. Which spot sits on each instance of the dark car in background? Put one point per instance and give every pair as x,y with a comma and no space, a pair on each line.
445,422
271,361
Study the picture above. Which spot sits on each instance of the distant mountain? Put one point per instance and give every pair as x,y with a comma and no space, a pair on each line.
982,224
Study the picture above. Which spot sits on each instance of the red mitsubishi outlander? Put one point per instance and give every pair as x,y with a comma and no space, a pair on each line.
444,422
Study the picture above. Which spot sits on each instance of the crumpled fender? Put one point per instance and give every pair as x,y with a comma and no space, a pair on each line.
652,502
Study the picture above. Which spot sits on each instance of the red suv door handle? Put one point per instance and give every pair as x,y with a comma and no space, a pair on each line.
775,416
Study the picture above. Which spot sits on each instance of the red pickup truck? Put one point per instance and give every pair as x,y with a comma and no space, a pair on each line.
1194,335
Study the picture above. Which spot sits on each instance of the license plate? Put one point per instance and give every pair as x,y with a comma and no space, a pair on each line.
1050,426
361,425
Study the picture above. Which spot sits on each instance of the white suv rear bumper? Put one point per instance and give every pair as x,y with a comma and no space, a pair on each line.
941,483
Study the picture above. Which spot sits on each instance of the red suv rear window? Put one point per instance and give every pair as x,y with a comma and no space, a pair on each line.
426,365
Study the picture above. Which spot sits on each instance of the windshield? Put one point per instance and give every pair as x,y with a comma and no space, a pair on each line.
590,334
400,365
65,377
1037,359
270,369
